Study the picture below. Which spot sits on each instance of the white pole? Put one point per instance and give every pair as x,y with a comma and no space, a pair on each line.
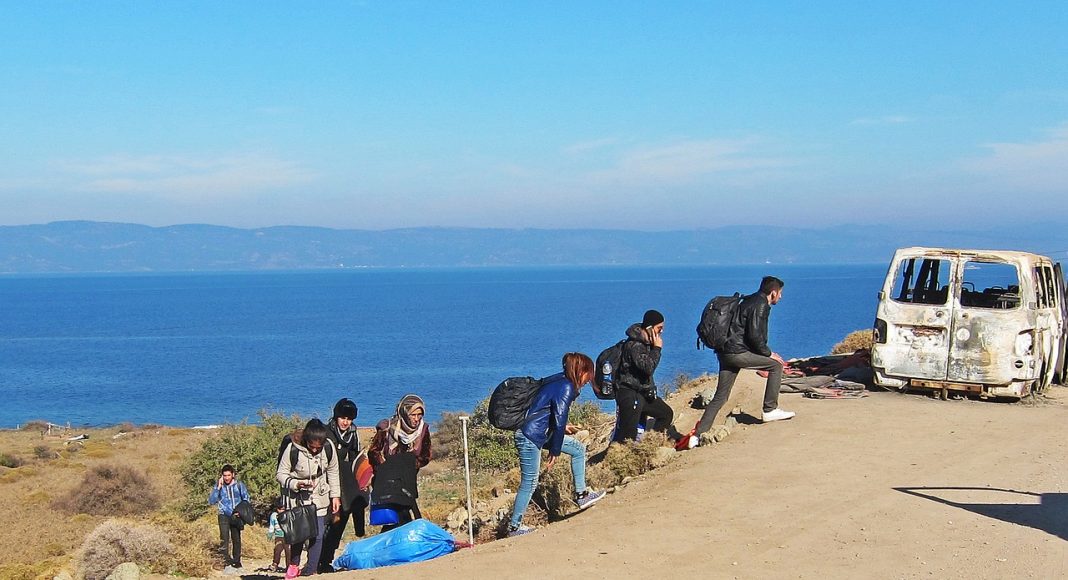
467,474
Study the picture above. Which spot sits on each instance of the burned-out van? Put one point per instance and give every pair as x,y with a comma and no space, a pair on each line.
989,323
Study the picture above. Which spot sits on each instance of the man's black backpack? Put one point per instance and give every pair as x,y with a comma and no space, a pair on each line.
511,400
607,370
716,321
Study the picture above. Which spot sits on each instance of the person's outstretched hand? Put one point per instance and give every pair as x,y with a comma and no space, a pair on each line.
549,464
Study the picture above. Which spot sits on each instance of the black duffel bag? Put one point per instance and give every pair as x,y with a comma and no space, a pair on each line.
299,524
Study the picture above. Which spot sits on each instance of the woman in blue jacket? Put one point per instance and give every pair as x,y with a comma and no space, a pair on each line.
546,427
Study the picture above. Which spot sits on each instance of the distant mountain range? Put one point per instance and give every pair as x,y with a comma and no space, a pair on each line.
84,246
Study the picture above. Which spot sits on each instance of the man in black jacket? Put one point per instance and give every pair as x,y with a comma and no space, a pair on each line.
343,436
636,397
746,347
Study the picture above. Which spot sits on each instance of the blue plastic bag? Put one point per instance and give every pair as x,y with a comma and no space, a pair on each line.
383,515
415,541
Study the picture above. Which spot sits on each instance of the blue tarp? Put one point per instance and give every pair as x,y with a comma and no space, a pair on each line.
415,541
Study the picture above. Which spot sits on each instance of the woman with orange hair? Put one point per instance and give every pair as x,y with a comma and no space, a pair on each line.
546,427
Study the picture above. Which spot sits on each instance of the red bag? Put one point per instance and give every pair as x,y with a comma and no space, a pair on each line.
363,471
683,443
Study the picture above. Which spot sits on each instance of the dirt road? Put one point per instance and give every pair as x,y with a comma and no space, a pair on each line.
891,486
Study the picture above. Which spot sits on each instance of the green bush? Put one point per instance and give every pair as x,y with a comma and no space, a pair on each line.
489,448
10,461
251,449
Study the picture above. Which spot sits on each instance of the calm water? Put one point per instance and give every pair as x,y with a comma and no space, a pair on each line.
190,349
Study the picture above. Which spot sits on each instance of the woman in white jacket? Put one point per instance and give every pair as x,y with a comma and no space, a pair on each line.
309,475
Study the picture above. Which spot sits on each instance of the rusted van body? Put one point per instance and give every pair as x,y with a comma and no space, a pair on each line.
985,322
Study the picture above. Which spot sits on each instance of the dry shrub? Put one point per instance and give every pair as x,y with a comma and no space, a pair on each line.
196,543
854,341
44,452
35,425
12,475
111,490
624,460
44,569
37,497
98,450
114,542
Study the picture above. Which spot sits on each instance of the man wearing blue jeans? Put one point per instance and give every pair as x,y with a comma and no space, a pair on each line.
546,427
746,347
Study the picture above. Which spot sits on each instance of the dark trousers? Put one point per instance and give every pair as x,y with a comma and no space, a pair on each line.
632,407
315,548
332,538
281,548
229,536
729,367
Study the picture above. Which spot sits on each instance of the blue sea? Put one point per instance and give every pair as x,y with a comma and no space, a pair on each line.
193,349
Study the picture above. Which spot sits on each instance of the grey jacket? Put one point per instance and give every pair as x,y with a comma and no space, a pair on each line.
320,469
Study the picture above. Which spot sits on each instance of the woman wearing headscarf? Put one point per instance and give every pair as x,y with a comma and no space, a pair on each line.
400,448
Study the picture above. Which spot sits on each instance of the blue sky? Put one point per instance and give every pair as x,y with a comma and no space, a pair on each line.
637,115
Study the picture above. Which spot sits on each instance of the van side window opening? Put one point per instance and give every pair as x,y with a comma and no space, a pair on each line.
1051,289
994,285
922,281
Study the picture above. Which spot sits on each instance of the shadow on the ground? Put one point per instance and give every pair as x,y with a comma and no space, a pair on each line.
1049,515
744,418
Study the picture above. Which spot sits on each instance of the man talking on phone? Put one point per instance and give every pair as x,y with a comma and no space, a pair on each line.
636,398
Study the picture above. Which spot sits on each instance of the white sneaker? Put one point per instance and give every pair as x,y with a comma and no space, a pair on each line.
778,415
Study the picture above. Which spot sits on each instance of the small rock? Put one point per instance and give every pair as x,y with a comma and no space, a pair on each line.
707,439
125,571
731,422
720,432
457,519
662,456
703,398
63,575
626,480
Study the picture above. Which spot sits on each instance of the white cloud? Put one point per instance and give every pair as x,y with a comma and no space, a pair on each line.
185,176
691,160
1031,166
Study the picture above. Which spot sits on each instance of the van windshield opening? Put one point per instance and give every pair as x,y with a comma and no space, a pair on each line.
922,281
993,285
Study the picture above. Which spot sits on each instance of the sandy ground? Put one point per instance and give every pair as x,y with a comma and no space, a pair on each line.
891,486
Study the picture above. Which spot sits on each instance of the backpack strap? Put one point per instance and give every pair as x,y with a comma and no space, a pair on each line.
293,454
